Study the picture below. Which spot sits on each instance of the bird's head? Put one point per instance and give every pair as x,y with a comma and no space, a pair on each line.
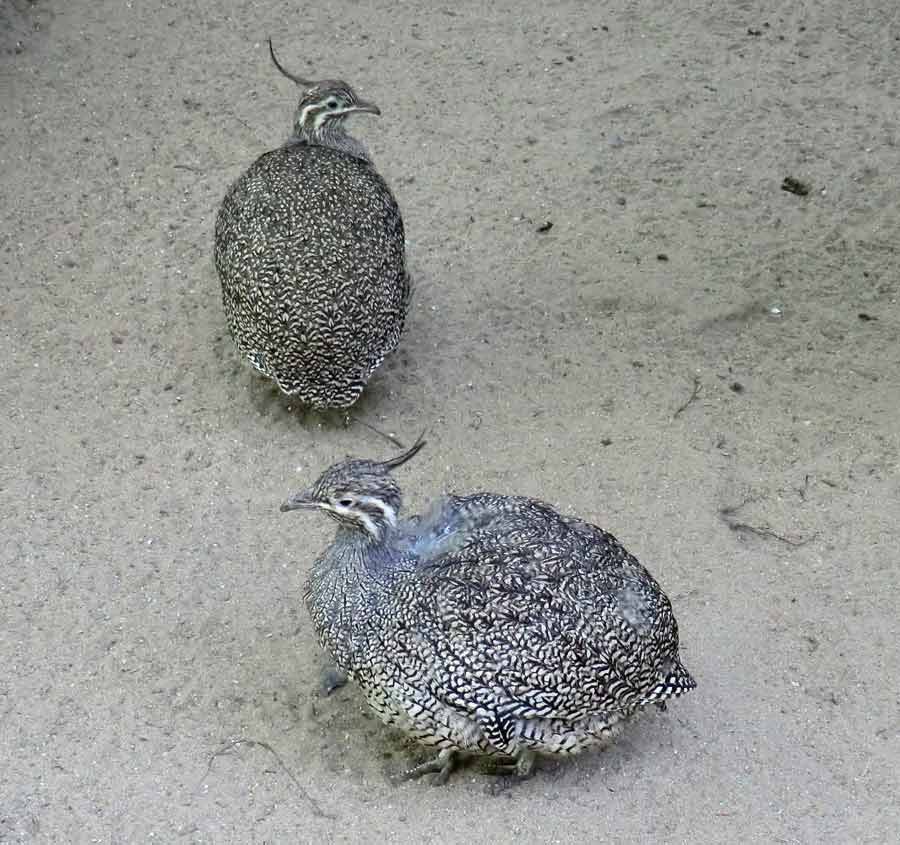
359,494
323,106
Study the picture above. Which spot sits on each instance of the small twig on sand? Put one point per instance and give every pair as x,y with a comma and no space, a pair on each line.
260,744
727,515
389,437
696,392
765,532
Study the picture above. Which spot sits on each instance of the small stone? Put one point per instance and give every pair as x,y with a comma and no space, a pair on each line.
795,186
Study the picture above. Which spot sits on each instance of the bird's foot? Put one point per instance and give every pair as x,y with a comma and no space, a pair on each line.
442,765
521,767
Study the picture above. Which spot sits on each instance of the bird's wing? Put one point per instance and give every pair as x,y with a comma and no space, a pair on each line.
549,614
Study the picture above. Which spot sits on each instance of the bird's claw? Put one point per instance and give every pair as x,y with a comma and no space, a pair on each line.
442,766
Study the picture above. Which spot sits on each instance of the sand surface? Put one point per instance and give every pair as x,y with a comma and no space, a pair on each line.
706,365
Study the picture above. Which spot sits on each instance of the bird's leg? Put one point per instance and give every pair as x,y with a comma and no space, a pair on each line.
521,767
331,679
442,764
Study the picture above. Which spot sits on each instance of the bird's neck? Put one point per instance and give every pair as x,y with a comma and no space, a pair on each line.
344,591
332,136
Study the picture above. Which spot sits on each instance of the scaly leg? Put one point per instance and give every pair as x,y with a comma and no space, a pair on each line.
442,764
522,766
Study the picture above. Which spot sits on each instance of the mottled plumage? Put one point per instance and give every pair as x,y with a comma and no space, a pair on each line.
491,624
309,248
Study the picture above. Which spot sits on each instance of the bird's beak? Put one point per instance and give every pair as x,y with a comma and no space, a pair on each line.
304,499
363,106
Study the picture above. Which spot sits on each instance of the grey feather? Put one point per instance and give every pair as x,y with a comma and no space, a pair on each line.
491,624
310,252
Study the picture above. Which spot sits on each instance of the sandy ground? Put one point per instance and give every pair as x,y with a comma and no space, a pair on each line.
150,593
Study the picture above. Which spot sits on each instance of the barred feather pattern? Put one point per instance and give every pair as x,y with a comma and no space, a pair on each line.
309,248
492,624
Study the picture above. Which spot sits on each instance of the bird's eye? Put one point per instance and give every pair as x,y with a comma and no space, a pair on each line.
345,502
332,103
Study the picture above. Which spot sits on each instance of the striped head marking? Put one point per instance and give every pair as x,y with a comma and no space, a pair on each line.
327,104
324,105
359,494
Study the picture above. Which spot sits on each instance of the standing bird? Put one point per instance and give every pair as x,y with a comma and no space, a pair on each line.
310,251
490,625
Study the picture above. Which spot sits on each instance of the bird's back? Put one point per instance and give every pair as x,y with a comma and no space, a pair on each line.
309,246
513,608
